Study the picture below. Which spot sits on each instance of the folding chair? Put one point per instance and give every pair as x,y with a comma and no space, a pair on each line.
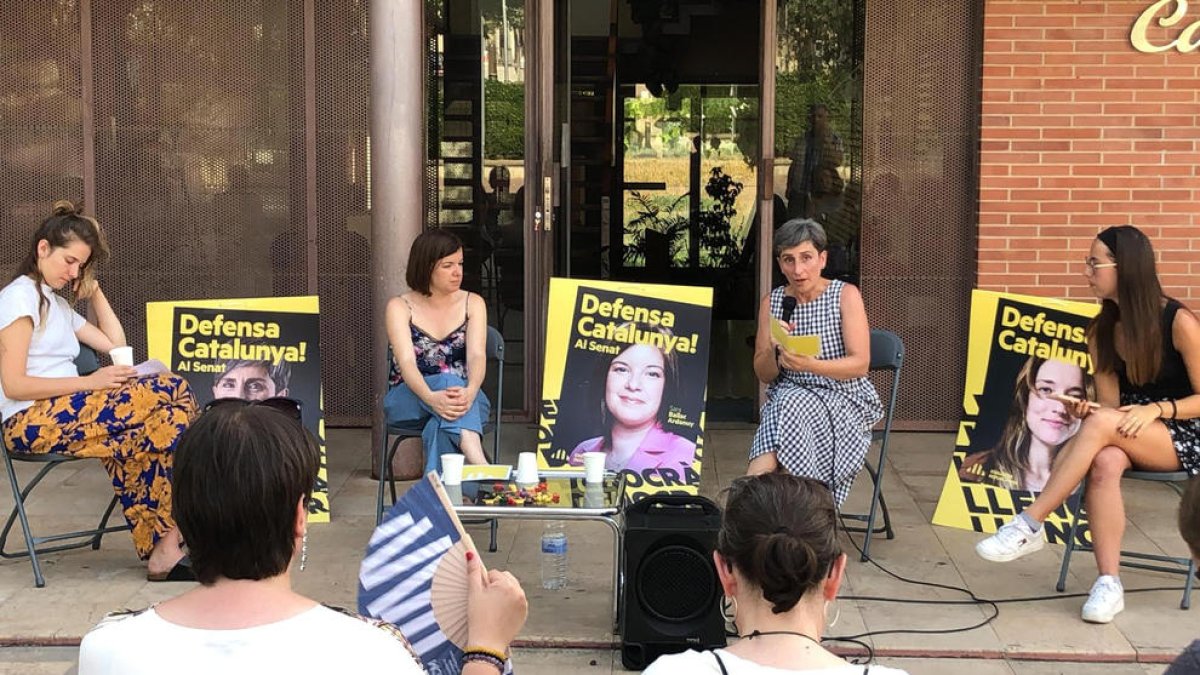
887,354
87,363
495,352
1176,480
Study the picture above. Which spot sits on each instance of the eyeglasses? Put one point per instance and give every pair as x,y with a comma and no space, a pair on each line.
282,404
1091,265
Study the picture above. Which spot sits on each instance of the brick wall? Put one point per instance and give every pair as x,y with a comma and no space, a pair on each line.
1079,131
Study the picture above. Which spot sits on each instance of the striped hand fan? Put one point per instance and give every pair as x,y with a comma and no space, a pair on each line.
414,575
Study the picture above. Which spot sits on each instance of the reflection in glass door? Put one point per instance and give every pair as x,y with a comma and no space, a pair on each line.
818,124
688,178
663,131
475,172
687,214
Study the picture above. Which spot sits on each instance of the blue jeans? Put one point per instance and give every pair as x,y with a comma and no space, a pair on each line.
406,410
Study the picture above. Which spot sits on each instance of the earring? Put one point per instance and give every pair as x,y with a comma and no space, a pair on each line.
837,613
729,610
304,550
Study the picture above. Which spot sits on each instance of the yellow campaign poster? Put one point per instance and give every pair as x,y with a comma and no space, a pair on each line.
251,348
1023,354
626,375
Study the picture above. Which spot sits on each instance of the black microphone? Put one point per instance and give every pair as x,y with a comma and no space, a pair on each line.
789,306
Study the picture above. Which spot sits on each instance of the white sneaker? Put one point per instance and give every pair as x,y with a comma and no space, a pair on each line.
1105,600
1013,540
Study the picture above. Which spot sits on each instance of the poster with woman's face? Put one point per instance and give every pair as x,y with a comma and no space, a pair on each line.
626,373
1025,355
247,348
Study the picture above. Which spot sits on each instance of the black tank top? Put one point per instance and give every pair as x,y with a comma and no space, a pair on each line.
1172,380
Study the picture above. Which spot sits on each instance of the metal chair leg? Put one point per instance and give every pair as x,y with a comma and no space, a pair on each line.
39,581
383,453
1069,548
391,476
102,529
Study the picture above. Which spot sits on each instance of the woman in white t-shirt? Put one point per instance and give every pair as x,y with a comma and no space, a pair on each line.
131,424
780,567
243,475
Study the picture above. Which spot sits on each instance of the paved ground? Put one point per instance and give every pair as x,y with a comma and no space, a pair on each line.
570,630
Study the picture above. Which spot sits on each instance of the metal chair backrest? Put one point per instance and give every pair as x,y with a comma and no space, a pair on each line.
887,350
495,345
88,361
887,354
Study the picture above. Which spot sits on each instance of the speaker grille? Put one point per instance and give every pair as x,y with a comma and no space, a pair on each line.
676,583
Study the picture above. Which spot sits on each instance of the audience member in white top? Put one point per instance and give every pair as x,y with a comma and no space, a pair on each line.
780,567
243,474
132,424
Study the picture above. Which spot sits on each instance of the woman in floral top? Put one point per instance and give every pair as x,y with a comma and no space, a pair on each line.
438,338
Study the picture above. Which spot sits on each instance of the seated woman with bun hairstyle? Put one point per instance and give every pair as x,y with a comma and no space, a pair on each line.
780,567
130,424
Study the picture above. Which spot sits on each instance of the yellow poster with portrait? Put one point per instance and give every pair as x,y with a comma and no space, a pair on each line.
1024,355
249,348
626,375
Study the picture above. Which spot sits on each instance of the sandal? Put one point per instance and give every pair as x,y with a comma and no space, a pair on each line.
182,571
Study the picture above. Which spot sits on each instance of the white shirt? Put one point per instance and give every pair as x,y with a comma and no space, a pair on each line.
53,347
319,640
702,663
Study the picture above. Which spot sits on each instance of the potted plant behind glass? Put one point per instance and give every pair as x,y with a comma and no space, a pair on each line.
654,235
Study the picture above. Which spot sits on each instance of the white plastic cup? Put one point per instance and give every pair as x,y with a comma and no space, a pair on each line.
452,468
527,468
121,356
593,496
453,493
593,467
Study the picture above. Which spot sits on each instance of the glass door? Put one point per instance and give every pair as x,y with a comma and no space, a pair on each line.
487,164
660,104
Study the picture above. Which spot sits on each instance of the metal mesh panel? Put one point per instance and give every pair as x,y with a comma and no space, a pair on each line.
192,151
201,157
41,156
343,221
918,235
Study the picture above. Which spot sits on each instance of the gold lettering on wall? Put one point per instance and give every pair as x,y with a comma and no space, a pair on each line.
1188,39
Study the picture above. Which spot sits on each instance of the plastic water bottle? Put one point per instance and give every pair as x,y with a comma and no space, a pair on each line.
554,556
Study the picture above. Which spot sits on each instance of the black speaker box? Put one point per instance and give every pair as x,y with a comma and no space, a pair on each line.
672,597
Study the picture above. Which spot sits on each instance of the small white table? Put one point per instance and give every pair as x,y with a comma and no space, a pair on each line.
579,502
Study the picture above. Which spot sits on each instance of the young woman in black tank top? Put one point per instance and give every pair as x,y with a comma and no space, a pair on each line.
1146,351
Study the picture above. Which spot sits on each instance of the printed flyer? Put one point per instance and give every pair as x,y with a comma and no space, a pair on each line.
251,348
1023,353
626,374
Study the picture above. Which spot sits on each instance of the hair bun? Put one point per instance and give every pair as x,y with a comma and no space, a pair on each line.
65,207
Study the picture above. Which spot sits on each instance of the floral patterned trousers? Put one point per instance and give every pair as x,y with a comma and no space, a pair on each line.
133,430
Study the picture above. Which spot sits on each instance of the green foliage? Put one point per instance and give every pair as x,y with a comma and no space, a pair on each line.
817,64
716,222
654,236
657,234
504,119
792,99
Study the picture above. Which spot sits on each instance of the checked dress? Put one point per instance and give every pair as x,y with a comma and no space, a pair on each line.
817,426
